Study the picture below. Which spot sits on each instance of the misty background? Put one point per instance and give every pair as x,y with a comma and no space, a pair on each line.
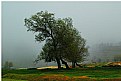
98,22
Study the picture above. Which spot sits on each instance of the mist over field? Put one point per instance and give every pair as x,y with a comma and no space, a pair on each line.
98,22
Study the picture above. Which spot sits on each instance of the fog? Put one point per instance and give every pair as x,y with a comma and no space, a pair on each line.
98,22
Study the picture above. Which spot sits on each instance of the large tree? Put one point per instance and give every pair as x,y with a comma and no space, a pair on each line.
63,41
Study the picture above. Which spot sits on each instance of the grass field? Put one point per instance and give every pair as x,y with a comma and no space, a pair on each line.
4,79
77,74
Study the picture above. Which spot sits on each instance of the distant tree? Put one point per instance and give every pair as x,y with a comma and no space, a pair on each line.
99,60
8,65
117,58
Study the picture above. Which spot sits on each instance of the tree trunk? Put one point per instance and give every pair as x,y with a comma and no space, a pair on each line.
78,65
73,64
58,63
63,62
57,59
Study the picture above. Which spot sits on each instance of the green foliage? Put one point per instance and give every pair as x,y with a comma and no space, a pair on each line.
42,23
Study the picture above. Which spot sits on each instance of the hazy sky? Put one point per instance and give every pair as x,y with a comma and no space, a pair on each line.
97,21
